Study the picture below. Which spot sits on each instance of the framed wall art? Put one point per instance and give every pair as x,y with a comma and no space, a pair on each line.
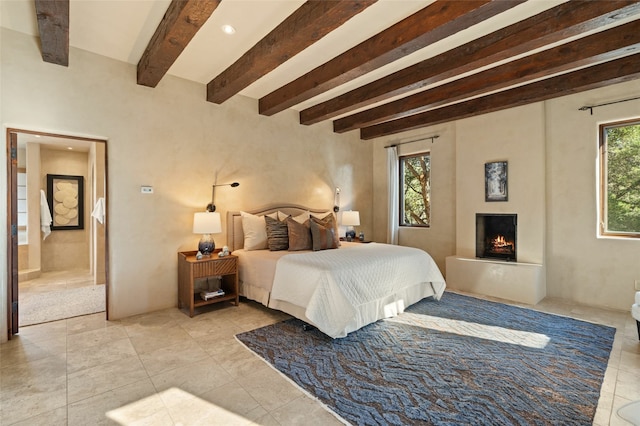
65,195
495,181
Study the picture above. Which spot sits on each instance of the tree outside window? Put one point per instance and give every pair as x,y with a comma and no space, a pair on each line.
620,179
415,190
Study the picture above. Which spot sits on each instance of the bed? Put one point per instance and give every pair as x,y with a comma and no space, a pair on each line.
338,290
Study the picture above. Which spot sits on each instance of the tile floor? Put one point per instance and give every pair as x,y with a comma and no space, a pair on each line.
165,368
53,281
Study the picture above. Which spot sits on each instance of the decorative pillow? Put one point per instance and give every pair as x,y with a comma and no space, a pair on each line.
323,237
329,221
299,235
277,234
255,231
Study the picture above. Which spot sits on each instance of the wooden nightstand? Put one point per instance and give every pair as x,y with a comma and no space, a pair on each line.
190,269
355,240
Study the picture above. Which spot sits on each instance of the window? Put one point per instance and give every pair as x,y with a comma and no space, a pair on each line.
620,179
415,190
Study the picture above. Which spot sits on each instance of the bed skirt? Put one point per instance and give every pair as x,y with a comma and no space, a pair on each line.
258,294
388,307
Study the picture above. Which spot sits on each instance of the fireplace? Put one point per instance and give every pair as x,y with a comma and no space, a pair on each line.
496,236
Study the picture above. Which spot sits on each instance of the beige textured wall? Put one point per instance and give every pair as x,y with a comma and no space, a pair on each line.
170,138
581,266
65,250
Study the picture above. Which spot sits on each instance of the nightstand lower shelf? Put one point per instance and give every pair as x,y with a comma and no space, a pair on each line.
198,301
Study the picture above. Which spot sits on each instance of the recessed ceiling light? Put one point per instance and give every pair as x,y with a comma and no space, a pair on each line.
228,29
70,148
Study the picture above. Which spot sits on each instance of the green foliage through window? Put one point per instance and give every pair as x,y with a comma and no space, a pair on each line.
620,174
415,190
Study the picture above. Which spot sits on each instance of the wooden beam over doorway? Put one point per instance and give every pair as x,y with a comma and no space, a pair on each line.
53,25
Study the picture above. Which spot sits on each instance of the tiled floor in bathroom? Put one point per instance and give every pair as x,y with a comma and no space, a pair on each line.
53,281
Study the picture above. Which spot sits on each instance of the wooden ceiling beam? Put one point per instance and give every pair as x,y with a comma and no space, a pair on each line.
308,24
612,72
429,25
566,20
53,25
611,44
179,25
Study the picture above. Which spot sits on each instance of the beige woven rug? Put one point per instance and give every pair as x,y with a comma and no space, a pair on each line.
37,308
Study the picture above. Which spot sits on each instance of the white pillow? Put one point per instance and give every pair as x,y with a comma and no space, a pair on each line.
323,215
255,231
301,218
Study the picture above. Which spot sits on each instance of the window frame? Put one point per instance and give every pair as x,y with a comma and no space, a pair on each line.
400,206
603,230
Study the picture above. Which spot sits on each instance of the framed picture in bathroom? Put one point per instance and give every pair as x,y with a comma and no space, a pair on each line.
65,196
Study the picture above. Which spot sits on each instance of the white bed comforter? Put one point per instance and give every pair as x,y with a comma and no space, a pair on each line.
344,290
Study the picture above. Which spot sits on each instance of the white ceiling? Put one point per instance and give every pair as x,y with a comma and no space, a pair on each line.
121,29
54,142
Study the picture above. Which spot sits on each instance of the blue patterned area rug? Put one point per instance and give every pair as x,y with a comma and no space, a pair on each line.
460,361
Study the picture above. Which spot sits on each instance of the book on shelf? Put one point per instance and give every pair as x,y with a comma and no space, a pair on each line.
206,295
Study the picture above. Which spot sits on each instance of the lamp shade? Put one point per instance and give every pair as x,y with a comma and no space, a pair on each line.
351,218
207,223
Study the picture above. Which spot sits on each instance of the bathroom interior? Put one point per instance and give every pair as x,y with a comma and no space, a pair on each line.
61,246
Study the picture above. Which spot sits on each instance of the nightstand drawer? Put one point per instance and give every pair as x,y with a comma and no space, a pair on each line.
217,267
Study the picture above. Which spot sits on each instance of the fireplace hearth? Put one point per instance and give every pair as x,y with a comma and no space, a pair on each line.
496,236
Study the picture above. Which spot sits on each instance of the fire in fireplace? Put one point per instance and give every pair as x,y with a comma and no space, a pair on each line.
496,236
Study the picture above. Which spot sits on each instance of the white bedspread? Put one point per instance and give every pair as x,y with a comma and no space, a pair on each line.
344,290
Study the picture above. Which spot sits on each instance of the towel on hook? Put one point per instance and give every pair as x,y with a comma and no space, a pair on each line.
99,210
45,215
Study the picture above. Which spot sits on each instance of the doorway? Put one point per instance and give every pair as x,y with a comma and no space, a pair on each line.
58,245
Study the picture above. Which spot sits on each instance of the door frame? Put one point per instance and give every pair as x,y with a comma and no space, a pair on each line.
12,221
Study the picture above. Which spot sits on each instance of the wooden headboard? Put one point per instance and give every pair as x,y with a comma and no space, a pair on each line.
235,236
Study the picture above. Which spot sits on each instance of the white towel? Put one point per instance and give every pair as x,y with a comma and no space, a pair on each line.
99,210
45,215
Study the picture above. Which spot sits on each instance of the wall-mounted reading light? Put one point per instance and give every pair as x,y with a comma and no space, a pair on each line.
336,201
211,207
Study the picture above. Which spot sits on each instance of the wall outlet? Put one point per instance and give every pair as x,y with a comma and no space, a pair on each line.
146,189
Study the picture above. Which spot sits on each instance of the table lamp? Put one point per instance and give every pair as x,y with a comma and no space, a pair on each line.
206,223
351,218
